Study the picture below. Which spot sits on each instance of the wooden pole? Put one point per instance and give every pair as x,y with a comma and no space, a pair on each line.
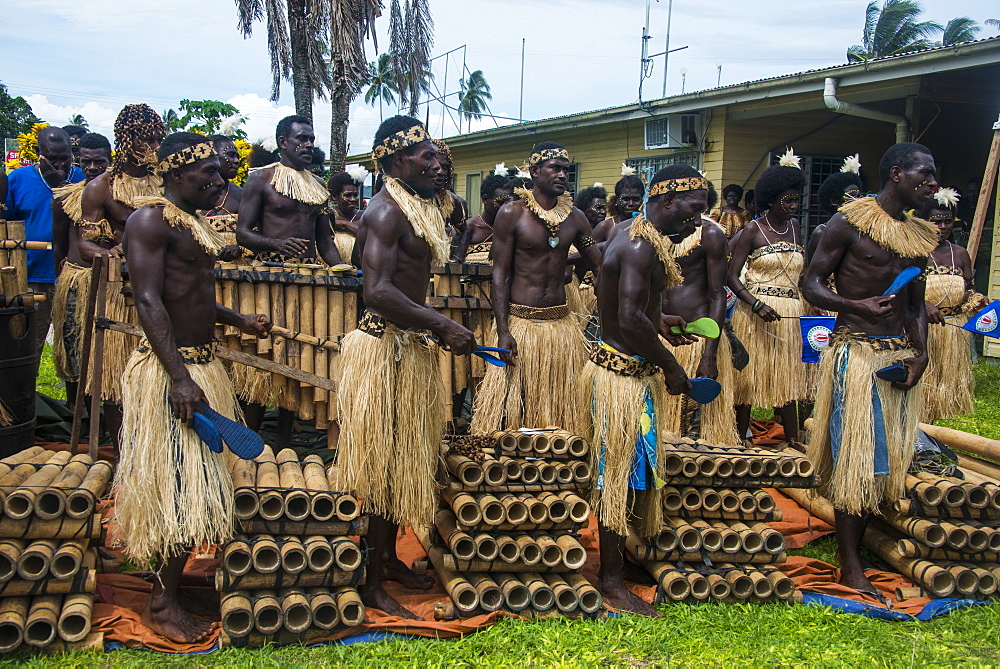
101,289
985,190
97,269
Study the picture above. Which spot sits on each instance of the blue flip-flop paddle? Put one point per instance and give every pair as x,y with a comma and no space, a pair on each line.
486,353
207,433
892,373
242,441
903,278
704,390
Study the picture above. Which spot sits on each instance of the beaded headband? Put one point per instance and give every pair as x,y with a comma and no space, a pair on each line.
399,140
547,154
188,155
678,185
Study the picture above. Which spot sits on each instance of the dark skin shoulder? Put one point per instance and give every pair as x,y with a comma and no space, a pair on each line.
231,205
66,240
475,232
603,229
99,204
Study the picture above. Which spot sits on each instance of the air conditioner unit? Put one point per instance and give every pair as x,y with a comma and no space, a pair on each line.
674,131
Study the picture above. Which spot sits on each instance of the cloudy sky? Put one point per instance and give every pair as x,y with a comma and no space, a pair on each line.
92,57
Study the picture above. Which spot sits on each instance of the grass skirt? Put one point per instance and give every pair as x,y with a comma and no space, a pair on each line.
73,280
538,390
392,417
948,382
848,476
718,419
776,374
615,405
344,241
172,491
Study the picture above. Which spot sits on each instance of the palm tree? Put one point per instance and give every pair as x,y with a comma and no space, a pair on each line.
172,120
892,29
77,119
993,23
411,36
475,93
958,30
382,85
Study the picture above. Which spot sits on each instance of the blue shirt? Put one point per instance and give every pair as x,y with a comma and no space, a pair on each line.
29,198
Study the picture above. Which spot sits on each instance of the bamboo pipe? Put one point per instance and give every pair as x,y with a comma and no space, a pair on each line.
552,555
730,540
40,623
58,528
700,588
347,507
358,526
722,515
67,560
911,548
467,470
266,612
236,557
907,507
264,555
673,583
970,463
762,587
711,538
307,579
966,580
756,467
987,579
773,540
954,495
547,473
22,471
711,501
541,595
11,461
815,504
51,502
666,540
10,553
741,585
80,503
557,444
515,595
566,598
506,441
688,538
490,595
465,507
971,443
579,509
486,547
495,472
771,467
529,472
507,549
718,587
75,617
323,609
926,493
671,500
765,503
590,599
751,541
346,555
556,508
986,484
462,593
84,581
493,511
321,504
13,611
319,553
930,576
538,513
581,472
271,505
350,606
783,587
573,554
321,327
690,498
528,549
577,447
33,564
293,555
723,468
245,499
237,613
307,359
295,500
296,615
459,542
926,531
515,511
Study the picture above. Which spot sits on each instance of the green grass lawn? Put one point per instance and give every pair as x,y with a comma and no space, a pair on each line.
702,634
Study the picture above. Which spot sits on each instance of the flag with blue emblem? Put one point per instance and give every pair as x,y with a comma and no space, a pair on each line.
816,332
986,321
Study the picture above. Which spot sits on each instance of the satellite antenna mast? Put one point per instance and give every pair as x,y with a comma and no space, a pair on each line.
646,69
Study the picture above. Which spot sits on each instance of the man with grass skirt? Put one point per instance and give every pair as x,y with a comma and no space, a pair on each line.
865,425
173,492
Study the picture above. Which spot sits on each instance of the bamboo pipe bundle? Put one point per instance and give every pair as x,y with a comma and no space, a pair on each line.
13,612
75,618
927,532
245,499
237,613
264,555
323,609
85,580
954,494
589,597
57,528
293,555
515,594
21,471
307,359
80,503
970,443
540,594
294,500
465,597
930,576
642,550
271,504
33,565
321,501
51,502
40,623
356,527
266,612
455,565
346,555
253,580
908,507
67,560
319,552
236,557
909,547
490,595
296,615
10,553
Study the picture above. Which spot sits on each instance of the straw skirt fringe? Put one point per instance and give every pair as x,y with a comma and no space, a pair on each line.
849,481
948,384
616,404
172,491
392,419
344,241
73,280
538,390
776,374
718,419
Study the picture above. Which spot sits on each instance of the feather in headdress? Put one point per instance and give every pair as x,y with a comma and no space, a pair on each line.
523,173
947,197
598,184
789,159
358,173
627,170
852,164
270,144
230,125
500,170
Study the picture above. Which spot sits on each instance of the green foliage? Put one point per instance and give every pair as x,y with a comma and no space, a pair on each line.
16,116
475,93
382,85
204,116
892,29
78,119
958,30
48,383
985,418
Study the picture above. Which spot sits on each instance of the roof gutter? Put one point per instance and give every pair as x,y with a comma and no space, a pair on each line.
841,107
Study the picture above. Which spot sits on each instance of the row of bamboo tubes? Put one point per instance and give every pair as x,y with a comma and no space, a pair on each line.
976,491
541,443
510,511
15,257
725,582
715,537
47,485
721,503
294,610
498,472
683,462
266,554
519,551
322,311
274,487
40,559
38,621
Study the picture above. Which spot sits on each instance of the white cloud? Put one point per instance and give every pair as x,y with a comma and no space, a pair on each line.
100,118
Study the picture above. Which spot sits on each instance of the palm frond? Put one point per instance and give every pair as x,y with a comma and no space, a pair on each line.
958,30
278,44
248,12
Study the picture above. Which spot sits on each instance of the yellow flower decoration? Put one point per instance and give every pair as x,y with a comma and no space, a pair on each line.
12,165
243,147
27,143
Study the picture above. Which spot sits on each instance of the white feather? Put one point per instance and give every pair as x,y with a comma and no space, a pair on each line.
270,144
358,173
627,170
852,164
523,174
500,169
947,197
598,184
229,125
789,159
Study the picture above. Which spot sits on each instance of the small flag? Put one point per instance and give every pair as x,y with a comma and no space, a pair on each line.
730,302
986,321
816,332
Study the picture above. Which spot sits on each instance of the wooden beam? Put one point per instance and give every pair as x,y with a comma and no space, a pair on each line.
985,190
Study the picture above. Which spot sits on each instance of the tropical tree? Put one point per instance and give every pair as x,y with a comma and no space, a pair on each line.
170,117
16,117
207,117
382,84
475,93
411,36
77,119
958,30
891,29
993,23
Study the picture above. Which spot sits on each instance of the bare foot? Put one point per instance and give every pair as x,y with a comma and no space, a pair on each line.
170,620
619,597
377,598
394,570
860,582
636,574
